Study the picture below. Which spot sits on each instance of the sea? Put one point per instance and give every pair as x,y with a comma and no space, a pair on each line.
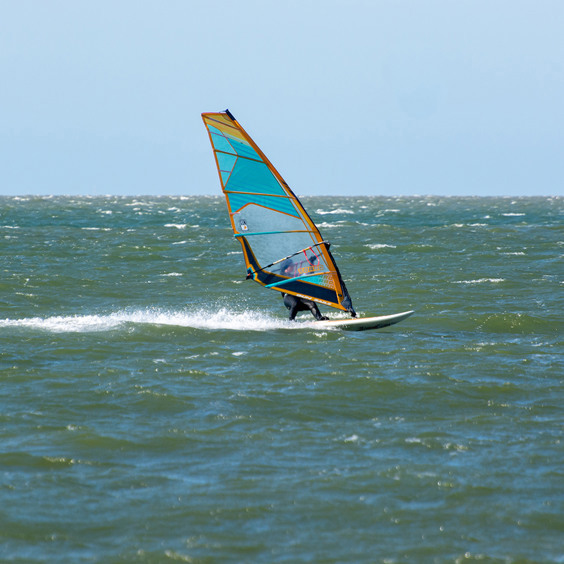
157,407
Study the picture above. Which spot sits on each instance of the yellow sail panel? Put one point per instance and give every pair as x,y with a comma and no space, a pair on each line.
283,248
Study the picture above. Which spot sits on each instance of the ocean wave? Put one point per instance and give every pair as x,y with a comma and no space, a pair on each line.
518,323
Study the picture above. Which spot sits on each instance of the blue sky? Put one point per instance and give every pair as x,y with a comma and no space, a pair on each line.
374,97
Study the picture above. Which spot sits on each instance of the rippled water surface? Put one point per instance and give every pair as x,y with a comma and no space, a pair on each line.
155,406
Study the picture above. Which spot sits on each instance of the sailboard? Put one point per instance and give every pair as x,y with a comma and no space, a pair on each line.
282,247
364,323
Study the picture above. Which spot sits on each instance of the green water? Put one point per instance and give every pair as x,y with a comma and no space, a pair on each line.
157,407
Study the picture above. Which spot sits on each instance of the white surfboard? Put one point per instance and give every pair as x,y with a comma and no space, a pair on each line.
364,323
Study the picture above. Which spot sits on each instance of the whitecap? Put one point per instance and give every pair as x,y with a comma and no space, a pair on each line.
326,225
177,225
480,281
380,246
332,212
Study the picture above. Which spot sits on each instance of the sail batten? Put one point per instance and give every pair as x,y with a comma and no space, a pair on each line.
269,233
239,156
282,247
241,192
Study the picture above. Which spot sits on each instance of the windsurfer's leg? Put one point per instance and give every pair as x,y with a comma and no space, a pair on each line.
315,310
293,304
294,310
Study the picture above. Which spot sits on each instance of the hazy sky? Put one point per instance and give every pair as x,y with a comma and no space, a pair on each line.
374,97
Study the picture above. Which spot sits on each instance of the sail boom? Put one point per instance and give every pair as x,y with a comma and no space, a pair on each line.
290,256
282,282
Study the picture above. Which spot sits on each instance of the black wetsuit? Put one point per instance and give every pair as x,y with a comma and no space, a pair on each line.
295,304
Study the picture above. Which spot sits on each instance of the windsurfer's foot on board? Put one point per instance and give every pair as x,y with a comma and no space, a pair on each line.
295,305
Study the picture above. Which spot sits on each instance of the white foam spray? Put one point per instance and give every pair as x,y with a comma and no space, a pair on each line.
225,319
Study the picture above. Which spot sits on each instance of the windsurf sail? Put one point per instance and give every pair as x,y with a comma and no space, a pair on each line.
282,247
